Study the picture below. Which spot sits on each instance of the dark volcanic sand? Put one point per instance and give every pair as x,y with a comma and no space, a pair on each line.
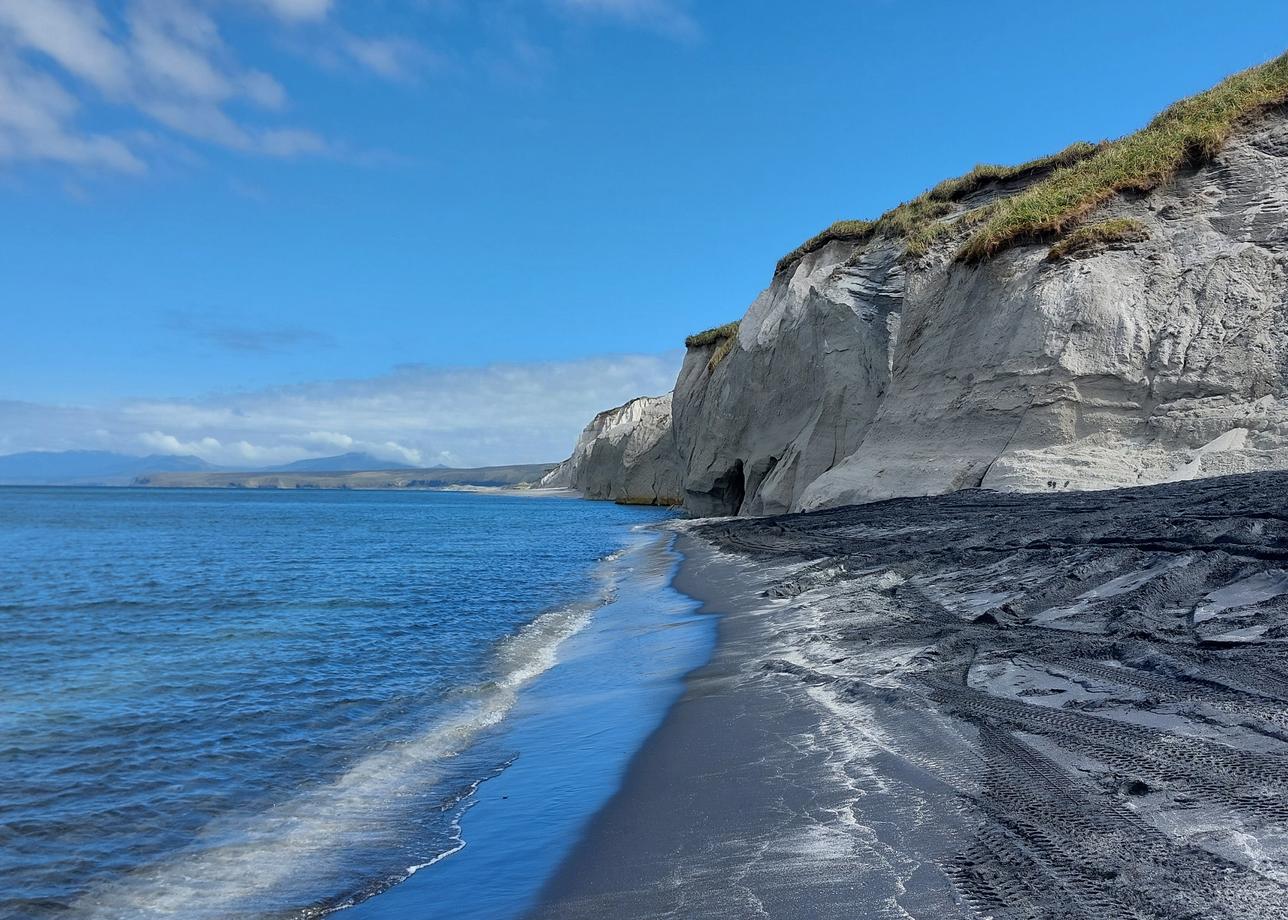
1070,705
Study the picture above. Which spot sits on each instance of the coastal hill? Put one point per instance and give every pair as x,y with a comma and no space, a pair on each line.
106,468
90,467
345,471
1111,315
517,476
350,462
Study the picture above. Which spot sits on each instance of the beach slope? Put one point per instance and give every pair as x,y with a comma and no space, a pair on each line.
974,705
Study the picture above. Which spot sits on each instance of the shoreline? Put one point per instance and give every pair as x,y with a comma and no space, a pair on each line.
977,704
569,737
736,806
534,492
578,646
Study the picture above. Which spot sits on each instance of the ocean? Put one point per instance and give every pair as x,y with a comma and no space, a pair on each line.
261,704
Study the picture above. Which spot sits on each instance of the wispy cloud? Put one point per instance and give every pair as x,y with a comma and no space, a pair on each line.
669,17
166,63
296,9
389,57
162,59
502,413
36,116
165,66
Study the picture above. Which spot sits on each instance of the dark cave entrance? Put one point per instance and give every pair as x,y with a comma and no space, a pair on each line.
729,490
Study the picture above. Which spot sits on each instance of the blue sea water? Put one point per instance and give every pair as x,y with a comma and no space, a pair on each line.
231,704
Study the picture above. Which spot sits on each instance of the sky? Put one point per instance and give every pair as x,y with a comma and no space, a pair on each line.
446,231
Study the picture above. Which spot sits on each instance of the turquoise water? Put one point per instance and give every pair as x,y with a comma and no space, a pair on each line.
280,704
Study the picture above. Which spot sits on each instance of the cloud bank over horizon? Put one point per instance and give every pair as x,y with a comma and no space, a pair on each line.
418,415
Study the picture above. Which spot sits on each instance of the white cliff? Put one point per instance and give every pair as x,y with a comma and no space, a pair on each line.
626,454
866,372
1127,365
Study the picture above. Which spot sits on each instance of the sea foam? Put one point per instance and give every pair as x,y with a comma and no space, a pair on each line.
266,862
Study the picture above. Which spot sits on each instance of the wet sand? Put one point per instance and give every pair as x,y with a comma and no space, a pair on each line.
1063,705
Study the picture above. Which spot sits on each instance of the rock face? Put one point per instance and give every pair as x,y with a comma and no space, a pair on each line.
862,373
797,394
1151,362
625,454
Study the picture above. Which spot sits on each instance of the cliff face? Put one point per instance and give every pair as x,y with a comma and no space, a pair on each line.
866,372
1136,363
798,391
626,454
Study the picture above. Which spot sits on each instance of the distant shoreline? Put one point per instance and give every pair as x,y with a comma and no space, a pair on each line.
520,490
511,478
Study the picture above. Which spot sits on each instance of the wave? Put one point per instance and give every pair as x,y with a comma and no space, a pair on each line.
269,863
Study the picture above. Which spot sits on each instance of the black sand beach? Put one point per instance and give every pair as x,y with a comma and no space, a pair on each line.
1068,705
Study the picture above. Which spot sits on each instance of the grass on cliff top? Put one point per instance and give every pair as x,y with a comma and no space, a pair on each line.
1082,177
915,220
1104,233
712,336
1187,133
984,173
856,231
722,337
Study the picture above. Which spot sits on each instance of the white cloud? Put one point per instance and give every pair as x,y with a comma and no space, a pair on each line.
173,49
502,413
327,440
35,115
164,67
74,35
164,60
159,443
391,58
399,452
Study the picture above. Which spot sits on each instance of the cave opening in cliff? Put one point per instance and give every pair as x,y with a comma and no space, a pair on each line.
729,490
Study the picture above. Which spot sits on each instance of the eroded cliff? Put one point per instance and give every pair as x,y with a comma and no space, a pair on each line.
626,454
1136,336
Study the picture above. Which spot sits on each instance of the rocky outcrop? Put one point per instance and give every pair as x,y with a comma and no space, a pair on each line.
626,454
866,372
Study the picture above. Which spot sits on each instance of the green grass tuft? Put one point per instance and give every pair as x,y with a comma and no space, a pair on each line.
721,352
712,336
1188,133
918,221
855,231
1104,233
986,173
1080,179
722,337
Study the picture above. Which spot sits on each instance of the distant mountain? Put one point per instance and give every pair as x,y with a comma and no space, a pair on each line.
104,468
344,463
90,467
520,476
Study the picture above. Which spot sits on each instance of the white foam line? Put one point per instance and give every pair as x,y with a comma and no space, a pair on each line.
282,857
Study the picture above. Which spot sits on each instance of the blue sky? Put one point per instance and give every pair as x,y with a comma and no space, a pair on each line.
450,231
